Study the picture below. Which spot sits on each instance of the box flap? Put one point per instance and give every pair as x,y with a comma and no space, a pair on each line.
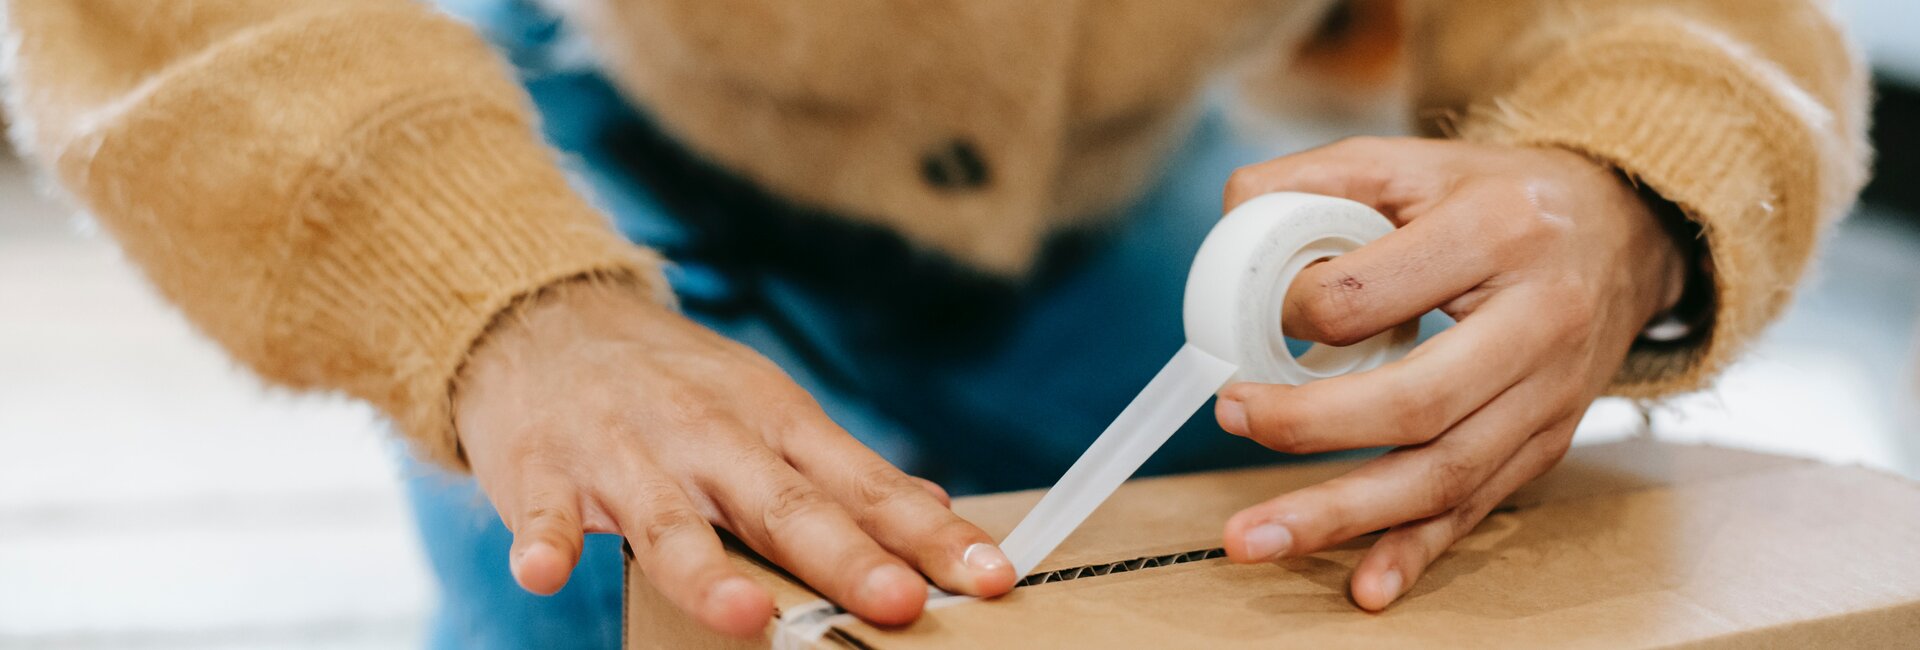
1628,544
1173,514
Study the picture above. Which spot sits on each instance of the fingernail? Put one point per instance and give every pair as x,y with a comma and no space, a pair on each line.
882,582
725,591
1268,541
1390,584
1233,416
984,558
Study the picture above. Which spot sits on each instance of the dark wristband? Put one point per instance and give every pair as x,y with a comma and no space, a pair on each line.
1692,316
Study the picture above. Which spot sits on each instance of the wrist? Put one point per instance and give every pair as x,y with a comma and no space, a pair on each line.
1686,287
536,328
1652,237
540,324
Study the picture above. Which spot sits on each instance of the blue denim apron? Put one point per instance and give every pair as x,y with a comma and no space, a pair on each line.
1009,410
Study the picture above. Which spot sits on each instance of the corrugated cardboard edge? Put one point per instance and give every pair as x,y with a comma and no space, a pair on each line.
1868,607
647,609
1625,465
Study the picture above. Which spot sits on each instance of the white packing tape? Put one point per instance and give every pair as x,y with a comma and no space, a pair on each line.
1238,286
1169,399
1235,293
800,627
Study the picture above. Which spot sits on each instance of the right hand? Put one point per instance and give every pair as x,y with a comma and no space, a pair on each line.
596,410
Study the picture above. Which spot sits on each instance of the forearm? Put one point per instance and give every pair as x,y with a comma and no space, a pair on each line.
1748,115
342,193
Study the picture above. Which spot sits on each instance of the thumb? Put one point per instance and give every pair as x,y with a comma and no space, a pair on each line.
546,535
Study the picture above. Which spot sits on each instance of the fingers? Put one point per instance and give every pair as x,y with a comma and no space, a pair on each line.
1391,280
1406,402
1394,175
545,521
900,513
681,556
1405,484
1396,278
1402,555
788,520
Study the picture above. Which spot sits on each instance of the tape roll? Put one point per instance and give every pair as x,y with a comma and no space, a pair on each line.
1238,286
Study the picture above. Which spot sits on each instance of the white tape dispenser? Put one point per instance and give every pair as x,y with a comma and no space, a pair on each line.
1234,295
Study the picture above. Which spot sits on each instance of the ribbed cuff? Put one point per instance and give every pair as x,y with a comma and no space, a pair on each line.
425,230
1708,129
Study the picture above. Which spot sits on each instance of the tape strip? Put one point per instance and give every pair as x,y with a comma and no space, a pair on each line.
1181,387
802,626
1232,312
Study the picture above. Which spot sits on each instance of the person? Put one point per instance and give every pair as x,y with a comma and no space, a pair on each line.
947,237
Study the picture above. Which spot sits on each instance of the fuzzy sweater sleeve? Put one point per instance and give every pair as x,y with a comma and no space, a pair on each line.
342,193
1749,115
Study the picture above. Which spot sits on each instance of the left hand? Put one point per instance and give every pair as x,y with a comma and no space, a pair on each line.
1550,263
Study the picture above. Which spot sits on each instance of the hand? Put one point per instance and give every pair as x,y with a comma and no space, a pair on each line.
595,410
1550,263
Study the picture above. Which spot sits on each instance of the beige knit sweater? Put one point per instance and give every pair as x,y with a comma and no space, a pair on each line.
344,193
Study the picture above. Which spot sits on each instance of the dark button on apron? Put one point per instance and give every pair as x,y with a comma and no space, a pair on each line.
955,165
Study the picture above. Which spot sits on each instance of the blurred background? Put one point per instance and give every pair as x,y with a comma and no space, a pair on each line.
153,495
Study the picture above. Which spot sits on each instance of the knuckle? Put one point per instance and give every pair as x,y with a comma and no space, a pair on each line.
663,511
1562,443
1451,480
880,487
793,503
1569,401
653,497
798,420
1461,521
1278,428
766,377
1244,183
548,517
1568,323
1576,317
669,522
1329,314
1530,227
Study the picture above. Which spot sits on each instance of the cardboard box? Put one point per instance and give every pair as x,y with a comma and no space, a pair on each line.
1631,544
